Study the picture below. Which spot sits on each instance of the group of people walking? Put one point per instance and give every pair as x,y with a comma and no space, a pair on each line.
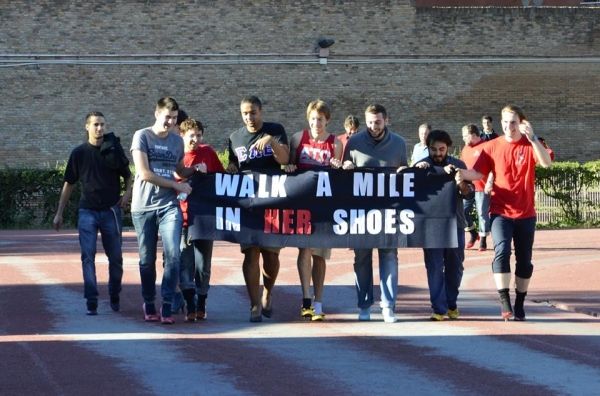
170,151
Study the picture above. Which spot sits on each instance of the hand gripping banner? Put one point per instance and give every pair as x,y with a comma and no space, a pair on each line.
362,208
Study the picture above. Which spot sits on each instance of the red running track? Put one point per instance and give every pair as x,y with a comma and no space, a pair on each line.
48,345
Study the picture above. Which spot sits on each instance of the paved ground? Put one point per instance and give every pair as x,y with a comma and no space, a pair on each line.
48,346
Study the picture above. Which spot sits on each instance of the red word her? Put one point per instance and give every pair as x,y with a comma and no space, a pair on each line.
287,221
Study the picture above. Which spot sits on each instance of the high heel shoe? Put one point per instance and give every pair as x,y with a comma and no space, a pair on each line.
256,314
519,306
474,238
267,308
505,307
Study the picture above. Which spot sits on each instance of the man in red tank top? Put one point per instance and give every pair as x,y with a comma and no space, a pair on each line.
309,149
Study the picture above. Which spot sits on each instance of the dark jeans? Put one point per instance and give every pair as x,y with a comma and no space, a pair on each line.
196,259
519,231
444,274
469,205
109,223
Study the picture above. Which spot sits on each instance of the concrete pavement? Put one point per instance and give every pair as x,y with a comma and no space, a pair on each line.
48,345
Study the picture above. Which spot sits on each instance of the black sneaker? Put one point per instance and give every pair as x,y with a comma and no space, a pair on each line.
115,303
92,308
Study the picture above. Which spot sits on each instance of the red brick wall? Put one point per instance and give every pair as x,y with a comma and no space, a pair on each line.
495,3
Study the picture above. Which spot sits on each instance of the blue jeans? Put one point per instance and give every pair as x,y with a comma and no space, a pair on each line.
482,203
444,274
388,275
519,231
168,222
196,259
468,205
109,223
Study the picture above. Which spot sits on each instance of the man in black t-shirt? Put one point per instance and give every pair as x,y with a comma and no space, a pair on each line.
258,145
487,129
99,209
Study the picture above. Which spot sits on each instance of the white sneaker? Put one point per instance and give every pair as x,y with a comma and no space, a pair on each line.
388,315
365,314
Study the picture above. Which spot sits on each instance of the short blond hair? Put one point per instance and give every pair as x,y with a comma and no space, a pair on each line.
320,107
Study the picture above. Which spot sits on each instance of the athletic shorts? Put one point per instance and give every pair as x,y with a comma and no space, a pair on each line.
325,253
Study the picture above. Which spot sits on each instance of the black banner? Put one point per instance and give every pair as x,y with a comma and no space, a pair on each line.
325,208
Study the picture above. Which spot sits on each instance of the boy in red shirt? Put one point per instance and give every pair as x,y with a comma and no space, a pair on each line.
194,274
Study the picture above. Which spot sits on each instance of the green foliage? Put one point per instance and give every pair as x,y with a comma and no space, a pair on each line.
570,184
224,157
29,197
593,166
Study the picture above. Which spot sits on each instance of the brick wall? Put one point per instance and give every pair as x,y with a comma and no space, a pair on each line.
389,52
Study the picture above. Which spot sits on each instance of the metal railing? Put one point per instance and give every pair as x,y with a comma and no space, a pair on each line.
549,210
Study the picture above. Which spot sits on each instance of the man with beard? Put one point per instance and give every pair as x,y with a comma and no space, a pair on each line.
376,147
445,265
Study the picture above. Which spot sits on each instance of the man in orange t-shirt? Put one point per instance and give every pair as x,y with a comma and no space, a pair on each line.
512,159
481,201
